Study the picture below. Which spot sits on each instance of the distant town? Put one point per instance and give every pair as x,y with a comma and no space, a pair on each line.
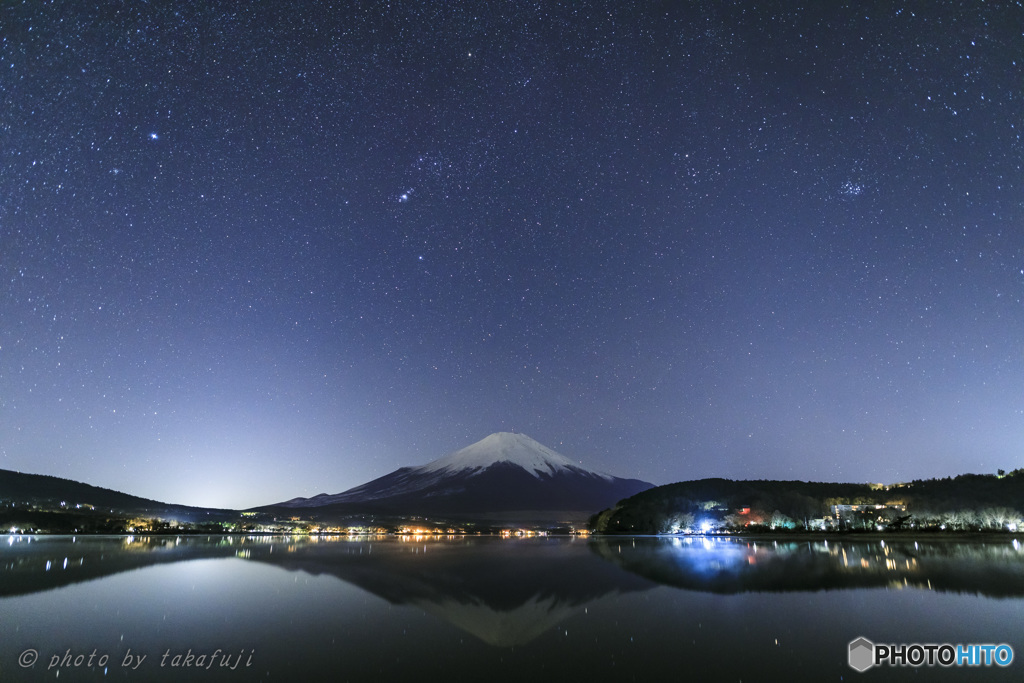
63,517
967,503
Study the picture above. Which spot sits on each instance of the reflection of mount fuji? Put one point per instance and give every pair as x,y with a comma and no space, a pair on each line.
510,591
505,592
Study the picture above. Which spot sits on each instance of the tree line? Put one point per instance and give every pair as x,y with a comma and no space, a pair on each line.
965,502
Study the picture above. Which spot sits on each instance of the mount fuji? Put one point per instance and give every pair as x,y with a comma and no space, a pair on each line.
501,473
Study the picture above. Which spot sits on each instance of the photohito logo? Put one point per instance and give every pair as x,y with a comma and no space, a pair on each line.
863,654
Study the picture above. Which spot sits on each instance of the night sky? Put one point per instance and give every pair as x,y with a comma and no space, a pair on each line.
251,251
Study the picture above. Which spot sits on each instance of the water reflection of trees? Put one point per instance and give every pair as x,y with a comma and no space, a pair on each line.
508,591
504,591
29,564
726,565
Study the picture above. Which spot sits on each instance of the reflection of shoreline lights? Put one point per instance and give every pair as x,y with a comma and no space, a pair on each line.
716,562
525,533
64,564
893,563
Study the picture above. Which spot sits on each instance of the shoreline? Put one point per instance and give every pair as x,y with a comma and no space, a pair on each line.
959,536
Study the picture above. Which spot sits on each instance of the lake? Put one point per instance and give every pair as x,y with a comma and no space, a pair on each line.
474,608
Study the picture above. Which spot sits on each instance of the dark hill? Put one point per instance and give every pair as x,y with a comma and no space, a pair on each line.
45,491
967,501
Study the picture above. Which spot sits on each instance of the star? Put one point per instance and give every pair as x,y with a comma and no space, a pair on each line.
852,189
592,204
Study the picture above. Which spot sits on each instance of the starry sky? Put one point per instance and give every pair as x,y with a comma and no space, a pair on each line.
252,251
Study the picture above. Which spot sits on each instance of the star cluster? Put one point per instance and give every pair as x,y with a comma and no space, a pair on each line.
259,251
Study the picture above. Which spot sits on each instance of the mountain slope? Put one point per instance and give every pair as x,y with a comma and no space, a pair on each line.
43,490
506,447
38,488
502,472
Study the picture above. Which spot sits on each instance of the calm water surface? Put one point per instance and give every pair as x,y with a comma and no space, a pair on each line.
558,609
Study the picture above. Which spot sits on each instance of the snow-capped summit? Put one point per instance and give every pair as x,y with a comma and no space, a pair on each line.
507,447
500,473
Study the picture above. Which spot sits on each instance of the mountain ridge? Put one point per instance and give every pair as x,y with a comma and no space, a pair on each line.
27,488
502,472
515,448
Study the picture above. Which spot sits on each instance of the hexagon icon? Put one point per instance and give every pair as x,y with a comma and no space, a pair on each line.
862,654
